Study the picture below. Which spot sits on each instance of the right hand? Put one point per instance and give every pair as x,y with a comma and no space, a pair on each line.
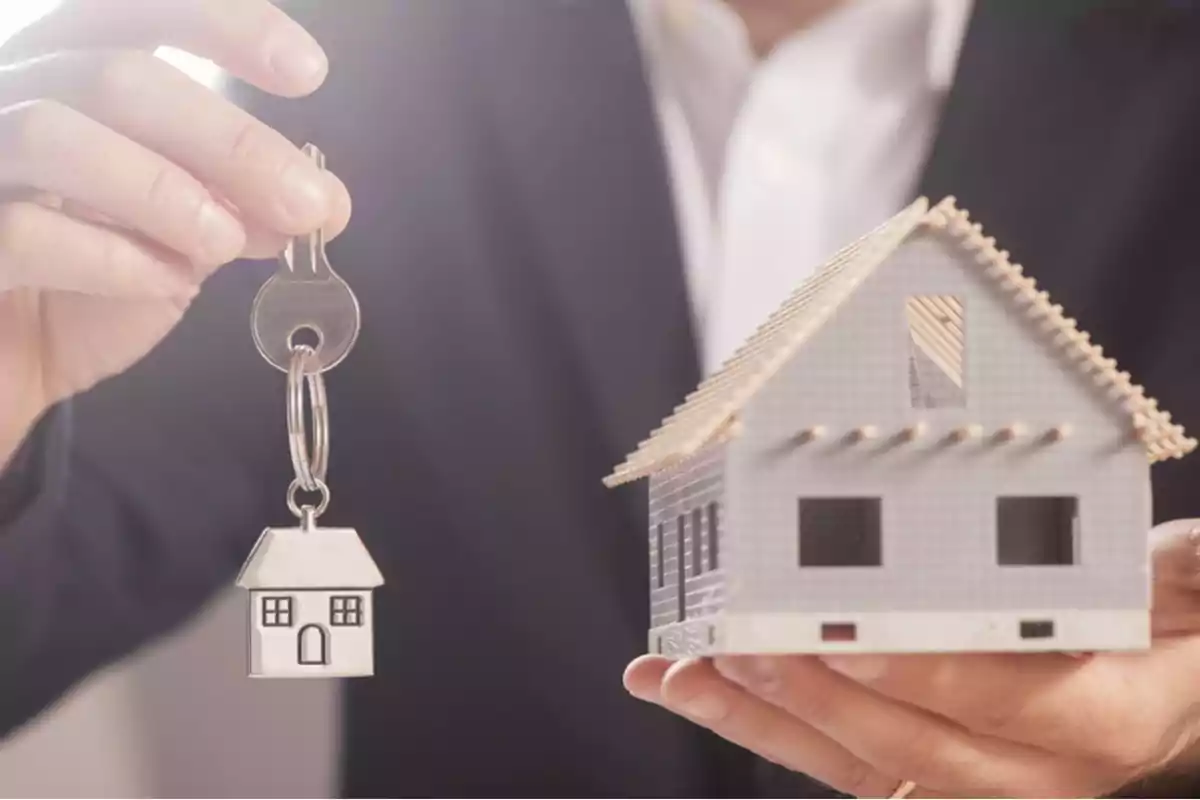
124,183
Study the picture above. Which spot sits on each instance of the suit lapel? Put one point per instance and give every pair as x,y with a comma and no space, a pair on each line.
1071,136
585,160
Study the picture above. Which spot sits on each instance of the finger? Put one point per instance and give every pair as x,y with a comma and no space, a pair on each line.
44,248
694,690
1176,612
155,104
898,739
643,677
252,39
1111,709
260,242
1176,555
263,242
39,147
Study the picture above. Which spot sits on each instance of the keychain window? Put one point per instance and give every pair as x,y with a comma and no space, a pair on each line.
345,610
277,612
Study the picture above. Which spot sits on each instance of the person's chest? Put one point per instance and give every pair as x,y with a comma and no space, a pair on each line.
527,320
779,159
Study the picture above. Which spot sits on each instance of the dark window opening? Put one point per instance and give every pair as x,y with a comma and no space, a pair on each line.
713,537
681,568
1037,531
1037,629
697,541
840,532
659,554
839,632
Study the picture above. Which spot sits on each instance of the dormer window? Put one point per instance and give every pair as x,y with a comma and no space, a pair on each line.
936,361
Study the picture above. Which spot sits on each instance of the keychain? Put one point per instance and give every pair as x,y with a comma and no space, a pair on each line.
310,587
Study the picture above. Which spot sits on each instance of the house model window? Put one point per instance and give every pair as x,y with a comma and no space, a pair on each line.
345,610
713,535
659,554
840,532
1037,531
681,566
936,361
277,612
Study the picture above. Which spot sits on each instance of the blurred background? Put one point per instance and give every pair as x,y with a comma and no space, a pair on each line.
180,719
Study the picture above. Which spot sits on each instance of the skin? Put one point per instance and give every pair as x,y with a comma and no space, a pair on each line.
124,185
768,22
965,725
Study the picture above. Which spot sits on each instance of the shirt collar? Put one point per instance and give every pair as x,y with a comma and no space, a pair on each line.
658,19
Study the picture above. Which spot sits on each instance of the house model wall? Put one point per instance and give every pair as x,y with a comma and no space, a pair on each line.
917,452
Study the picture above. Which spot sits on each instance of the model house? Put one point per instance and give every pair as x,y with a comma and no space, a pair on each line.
310,604
918,451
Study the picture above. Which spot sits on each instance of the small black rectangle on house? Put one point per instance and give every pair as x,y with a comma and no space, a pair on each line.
840,532
1037,629
839,632
1037,531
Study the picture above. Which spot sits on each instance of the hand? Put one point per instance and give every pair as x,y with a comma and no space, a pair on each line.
124,184
969,725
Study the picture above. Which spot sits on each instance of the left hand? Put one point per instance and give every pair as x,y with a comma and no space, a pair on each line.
964,725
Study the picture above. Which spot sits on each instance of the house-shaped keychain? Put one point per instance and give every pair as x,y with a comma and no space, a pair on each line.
310,604
918,451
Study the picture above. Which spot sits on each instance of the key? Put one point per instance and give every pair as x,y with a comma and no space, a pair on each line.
305,294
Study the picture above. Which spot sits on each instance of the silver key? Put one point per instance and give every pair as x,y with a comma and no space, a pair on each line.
306,294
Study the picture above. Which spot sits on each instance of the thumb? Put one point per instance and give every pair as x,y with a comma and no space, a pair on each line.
1175,561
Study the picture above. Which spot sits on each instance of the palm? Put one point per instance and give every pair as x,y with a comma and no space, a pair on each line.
57,344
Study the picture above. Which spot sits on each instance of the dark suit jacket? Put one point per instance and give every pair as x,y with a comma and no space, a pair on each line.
514,251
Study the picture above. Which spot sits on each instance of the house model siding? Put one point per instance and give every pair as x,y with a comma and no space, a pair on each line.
278,650
917,451
937,496
688,498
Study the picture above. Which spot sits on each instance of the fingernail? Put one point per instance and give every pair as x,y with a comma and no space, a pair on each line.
863,669
221,235
295,56
707,707
305,194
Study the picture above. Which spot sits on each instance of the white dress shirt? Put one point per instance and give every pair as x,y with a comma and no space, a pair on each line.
778,163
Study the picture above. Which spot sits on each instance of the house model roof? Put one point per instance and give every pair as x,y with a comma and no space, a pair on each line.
326,558
711,410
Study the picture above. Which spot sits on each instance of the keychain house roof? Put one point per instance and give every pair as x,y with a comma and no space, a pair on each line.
917,451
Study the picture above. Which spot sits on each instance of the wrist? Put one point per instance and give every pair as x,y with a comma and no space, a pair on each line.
14,430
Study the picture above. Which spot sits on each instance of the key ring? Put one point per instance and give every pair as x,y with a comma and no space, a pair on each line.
307,514
310,467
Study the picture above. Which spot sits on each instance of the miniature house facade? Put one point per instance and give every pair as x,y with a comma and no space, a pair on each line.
917,452
310,604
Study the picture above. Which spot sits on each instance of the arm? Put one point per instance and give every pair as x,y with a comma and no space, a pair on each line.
131,505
